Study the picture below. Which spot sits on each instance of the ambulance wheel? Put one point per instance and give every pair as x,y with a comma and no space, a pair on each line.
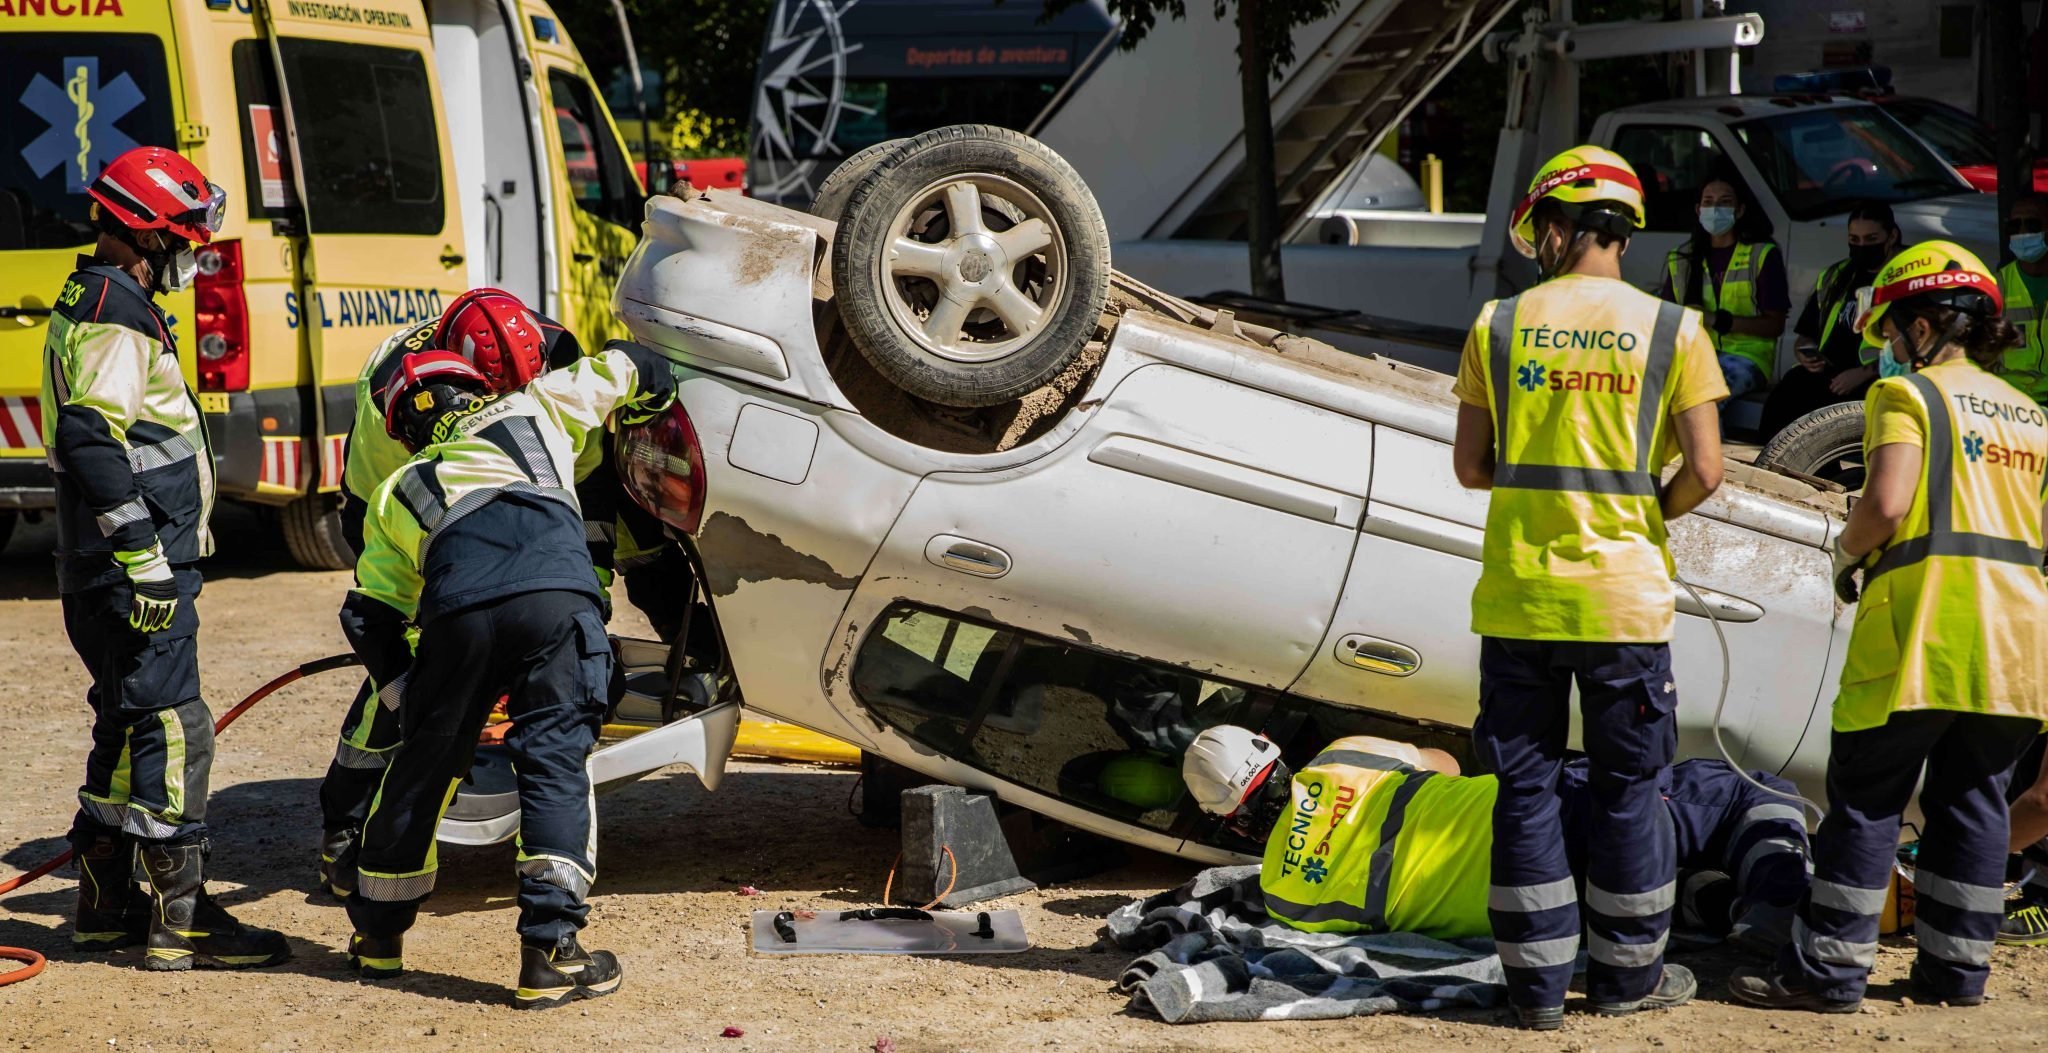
7,520
312,533
830,200
971,265
1825,444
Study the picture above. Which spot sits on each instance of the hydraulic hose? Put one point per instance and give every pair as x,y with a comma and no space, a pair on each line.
1721,707
34,960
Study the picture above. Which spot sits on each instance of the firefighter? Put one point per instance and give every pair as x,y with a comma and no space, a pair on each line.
1744,848
478,542
2023,286
511,345
134,492
1944,667
1573,396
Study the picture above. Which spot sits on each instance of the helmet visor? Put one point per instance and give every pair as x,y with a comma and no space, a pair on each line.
1864,306
216,208
1521,244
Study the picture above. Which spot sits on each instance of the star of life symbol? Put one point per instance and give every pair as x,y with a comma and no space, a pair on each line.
1530,376
1314,870
1973,446
80,113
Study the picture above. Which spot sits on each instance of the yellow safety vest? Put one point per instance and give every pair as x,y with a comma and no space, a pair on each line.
2026,366
1836,309
1736,294
1369,844
1577,372
1954,613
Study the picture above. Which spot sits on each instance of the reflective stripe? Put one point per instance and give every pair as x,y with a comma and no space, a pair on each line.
1308,914
390,694
1942,539
1768,813
1538,954
111,813
2022,315
594,531
1358,759
141,822
1624,955
475,499
129,511
636,561
1868,902
1769,847
350,756
394,888
160,454
174,762
1831,950
1950,948
1632,904
557,871
422,501
1380,870
1638,482
1977,899
1523,899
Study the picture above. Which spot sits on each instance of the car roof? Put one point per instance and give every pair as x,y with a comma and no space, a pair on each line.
1743,107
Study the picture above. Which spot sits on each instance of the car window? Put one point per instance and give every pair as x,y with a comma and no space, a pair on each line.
1672,161
599,180
72,103
367,136
1099,731
266,165
1954,135
1822,162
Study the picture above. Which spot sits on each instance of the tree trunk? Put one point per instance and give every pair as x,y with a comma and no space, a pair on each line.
1255,74
2008,105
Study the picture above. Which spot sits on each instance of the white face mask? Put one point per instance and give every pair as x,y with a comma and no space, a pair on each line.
183,268
1717,219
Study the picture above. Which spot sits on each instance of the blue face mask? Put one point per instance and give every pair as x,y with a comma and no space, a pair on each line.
1888,364
2028,247
1717,220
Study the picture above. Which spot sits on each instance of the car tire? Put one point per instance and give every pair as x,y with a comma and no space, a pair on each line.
312,533
989,313
830,200
1825,444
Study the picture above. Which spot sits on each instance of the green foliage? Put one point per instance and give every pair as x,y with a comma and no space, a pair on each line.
705,50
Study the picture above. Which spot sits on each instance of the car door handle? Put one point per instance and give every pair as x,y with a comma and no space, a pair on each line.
1377,655
451,259
23,311
967,556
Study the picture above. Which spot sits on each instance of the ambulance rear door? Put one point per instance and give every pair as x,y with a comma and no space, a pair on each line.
375,187
81,82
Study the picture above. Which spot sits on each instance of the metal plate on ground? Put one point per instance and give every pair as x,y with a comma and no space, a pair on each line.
948,932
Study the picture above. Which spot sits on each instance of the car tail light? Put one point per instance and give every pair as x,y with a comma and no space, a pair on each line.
222,318
662,466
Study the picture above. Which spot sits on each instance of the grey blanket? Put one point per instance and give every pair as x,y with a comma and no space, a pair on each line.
1210,952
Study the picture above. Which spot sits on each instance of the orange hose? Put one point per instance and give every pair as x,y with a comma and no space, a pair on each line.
35,961
890,884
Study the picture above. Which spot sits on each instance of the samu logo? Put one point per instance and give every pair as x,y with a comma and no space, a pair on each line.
1530,376
1973,447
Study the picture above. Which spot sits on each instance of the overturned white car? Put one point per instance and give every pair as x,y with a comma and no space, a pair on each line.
965,498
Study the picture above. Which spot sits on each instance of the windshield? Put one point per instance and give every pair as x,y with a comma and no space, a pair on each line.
1952,133
1822,162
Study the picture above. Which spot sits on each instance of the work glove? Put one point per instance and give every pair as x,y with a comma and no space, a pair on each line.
155,595
1846,567
1721,322
646,406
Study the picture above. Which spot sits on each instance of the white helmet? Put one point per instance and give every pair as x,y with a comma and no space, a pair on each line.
1223,766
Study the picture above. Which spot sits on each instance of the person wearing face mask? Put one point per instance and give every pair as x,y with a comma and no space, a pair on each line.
1573,396
1944,666
1733,272
2024,284
1833,366
134,490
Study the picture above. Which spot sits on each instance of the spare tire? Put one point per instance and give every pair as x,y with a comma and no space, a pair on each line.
1825,444
830,200
971,265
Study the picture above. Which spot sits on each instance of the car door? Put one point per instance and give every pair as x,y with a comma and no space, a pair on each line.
382,236
1192,522
602,213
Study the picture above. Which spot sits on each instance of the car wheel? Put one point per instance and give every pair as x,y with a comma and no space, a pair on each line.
1825,444
971,265
312,533
830,200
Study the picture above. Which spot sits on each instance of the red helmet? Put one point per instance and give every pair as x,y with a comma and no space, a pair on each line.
418,371
151,188
495,331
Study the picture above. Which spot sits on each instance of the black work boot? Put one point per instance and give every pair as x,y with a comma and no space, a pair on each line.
1765,988
376,957
1928,991
338,861
1675,988
188,928
112,912
558,975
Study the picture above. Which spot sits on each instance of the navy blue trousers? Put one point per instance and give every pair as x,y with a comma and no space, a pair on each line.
548,652
1627,701
1958,887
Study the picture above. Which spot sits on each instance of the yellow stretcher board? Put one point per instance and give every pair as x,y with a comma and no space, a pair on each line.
778,741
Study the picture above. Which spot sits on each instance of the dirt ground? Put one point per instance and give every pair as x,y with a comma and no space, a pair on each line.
671,860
